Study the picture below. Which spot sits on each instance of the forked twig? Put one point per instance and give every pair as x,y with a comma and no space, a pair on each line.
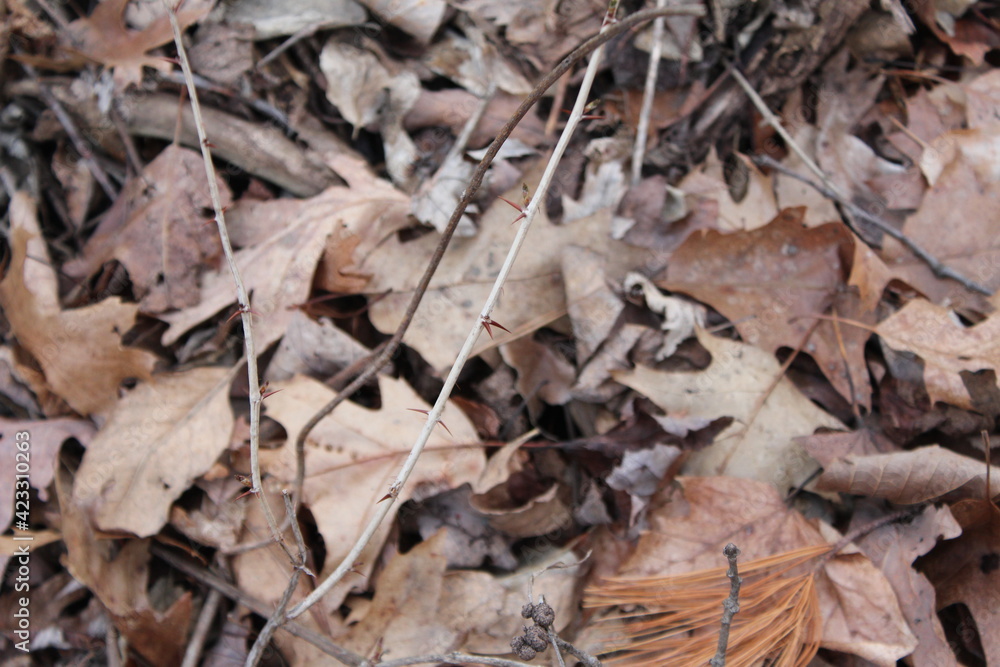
242,297
609,30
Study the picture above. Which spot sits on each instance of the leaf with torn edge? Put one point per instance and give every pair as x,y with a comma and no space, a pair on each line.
947,347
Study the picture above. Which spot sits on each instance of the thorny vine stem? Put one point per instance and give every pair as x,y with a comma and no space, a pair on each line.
242,297
382,354
608,31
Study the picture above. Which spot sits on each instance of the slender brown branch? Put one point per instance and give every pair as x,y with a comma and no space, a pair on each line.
344,655
380,358
730,607
940,270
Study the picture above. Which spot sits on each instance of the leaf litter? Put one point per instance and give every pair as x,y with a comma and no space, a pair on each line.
715,353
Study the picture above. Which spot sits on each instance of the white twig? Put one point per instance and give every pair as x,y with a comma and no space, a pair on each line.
434,415
241,292
642,133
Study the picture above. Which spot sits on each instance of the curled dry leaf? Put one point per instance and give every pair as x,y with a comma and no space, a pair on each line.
680,317
916,476
965,571
161,437
893,548
79,351
46,438
117,573
946,347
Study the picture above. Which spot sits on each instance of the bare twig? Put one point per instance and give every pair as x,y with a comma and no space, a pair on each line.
81,144
587,659
639,150
730,607
830,190
276,618
380,357
385,504
257,606
939,269
241,293
192,654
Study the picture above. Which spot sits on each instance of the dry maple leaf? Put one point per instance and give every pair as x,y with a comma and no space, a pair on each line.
946,346
104,37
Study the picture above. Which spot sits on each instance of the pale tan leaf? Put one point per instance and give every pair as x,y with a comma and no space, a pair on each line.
79,351
354,454
161,437
759,444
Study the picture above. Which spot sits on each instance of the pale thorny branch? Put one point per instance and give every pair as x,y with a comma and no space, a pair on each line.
385,504
242,297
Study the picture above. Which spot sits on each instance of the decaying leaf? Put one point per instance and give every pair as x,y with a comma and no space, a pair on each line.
771,282
677,576
916,476
157,230
104,37
354,454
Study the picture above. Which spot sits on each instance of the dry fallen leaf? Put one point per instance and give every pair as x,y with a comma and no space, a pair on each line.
104,37
760,443
946,347
965,571
533,296
159,438
79,351
44,440
689,527
916,476
117,573
288,238
893,548
157,230
771,282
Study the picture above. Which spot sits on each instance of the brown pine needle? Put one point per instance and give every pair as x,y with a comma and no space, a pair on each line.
674,620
